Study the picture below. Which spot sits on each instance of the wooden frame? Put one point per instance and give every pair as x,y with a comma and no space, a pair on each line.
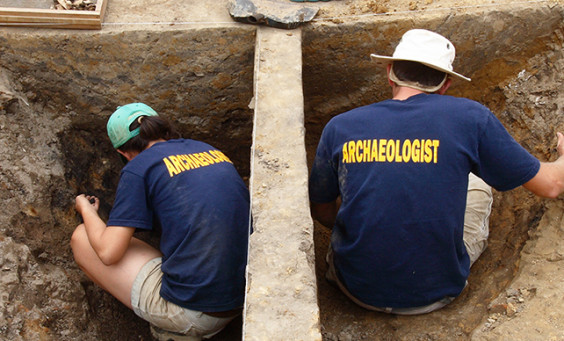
50,18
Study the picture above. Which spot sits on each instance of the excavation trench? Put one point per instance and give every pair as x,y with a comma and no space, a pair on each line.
58,88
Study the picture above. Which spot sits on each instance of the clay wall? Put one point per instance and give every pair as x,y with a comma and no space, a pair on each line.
57,89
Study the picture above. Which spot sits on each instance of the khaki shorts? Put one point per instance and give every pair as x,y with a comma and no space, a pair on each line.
477,217
148,304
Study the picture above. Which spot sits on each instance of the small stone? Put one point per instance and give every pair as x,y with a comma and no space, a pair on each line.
555,257
498,308
512,292
330,337
528,292
511,310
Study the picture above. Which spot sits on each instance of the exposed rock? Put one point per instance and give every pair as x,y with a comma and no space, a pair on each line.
279,14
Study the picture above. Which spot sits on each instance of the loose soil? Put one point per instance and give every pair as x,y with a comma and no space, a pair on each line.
53,149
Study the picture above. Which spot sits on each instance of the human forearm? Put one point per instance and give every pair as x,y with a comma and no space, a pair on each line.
87,207
549,180
95,228
109,243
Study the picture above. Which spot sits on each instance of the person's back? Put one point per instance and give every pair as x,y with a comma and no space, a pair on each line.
202,206
400,169
193,285
403,185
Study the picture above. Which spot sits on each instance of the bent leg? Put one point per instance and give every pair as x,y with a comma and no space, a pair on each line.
117,279
477,217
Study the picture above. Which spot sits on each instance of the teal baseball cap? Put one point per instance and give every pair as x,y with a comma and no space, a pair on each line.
121,119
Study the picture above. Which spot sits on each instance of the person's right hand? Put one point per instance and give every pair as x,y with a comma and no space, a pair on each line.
83,202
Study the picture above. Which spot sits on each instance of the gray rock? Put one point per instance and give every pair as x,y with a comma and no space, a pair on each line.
270,13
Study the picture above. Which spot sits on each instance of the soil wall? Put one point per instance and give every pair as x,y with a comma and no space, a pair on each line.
57,89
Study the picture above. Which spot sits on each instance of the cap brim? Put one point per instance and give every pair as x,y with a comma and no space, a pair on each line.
385,60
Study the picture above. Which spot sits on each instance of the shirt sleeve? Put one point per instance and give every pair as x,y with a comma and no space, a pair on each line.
323,182
130,206
503,163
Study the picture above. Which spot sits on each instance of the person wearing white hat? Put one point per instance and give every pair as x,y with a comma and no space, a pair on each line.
405,183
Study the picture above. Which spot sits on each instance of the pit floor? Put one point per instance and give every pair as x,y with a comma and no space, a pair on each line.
538,314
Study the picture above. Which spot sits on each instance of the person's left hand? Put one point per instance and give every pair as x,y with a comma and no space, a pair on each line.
83,202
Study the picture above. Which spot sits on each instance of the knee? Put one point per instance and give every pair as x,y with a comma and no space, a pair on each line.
78,240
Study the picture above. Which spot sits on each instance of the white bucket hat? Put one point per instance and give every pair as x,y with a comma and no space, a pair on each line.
425,47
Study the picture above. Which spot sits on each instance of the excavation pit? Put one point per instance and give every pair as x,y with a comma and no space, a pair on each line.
59,87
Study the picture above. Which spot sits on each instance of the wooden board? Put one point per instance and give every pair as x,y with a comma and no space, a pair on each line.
50,18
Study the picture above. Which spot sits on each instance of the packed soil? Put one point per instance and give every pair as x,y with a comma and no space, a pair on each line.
53,146
503,299
514,287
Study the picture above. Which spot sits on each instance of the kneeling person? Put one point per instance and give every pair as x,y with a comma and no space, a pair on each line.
193,285
394,181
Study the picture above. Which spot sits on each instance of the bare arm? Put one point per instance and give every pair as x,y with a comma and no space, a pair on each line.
549,181
325,213
109,243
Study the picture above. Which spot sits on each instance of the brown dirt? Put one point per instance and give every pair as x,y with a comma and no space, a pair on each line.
53,147
502,300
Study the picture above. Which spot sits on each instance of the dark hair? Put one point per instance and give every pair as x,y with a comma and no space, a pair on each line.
151,128
416,72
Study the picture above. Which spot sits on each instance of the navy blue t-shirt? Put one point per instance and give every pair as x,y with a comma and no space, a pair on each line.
194,192
401,169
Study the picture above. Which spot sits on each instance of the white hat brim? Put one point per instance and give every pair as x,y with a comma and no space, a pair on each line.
385,60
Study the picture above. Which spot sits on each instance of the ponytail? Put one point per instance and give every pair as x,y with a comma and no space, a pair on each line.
151,128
